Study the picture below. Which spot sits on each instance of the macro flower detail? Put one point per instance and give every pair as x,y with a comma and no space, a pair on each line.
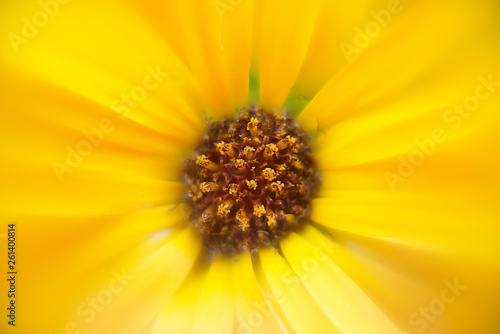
250,181
250,166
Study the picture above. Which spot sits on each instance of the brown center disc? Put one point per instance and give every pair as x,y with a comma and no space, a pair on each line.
250,181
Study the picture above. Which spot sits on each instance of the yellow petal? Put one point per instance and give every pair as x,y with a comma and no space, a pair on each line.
92,193
82,162
91,61
418,288
178,313
337,26
252,310
429,125
215,309
397,290
442,222
286,32
155,274
216,40
382,70
347,306
89,240
133,285
164,20
301,310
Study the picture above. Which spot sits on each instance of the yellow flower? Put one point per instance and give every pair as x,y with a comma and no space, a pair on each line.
102,100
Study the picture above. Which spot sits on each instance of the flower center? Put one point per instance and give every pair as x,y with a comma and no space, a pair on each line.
250,181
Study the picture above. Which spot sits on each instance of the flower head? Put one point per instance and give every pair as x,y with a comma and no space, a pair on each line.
355,191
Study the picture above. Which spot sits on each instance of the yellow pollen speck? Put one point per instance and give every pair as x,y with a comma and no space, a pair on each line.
269,174
233,189
244,225
203,161
240,163
270,150
225,148
224,208
271,220
205,187
252,127
220,146
285,142
276,186
258,210
251,184
208,186
249,152
242,219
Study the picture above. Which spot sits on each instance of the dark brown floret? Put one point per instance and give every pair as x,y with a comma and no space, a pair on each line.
250,181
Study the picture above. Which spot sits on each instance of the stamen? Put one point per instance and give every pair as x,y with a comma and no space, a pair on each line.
259,210
249,152
225,148
270,150
203,161
240,164
269,174
207,214
296,162
251,184
276,186
233,189
208,186
285,142
224,208
271,219
243,221
252,127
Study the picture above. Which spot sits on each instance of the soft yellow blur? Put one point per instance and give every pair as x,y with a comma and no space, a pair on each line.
101,100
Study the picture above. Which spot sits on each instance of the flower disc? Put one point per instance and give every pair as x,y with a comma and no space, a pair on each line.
250,181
